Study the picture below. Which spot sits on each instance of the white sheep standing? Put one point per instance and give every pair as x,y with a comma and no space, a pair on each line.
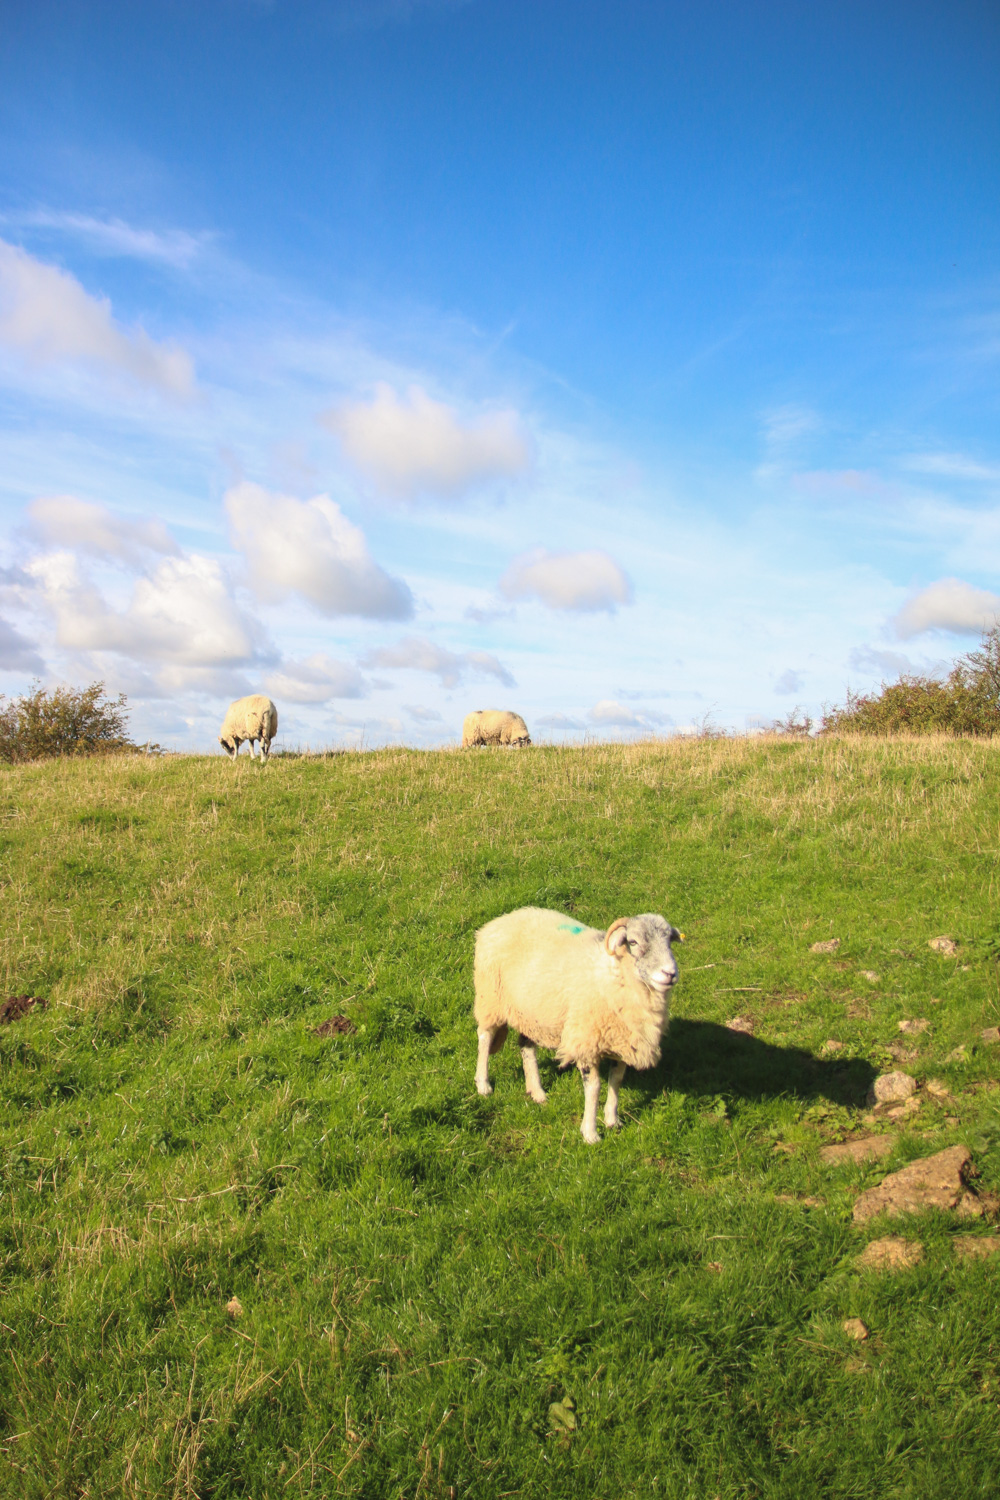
494,726
588,994
254,718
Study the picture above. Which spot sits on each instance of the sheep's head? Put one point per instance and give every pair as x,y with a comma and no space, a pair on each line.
227,745
647,941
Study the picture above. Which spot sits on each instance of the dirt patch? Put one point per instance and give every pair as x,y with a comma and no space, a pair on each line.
741,1023
976,1246
829,946
892,1253
870,1146
945,945
938,1181
16,1006
336,1026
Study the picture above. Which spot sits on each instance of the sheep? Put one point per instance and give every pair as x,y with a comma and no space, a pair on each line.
494,726
254,718
588,994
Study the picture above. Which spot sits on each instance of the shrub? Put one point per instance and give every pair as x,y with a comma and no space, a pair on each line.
967,701
62,721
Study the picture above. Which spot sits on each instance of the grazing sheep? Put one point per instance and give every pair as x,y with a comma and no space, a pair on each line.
494,726
586,993
254,718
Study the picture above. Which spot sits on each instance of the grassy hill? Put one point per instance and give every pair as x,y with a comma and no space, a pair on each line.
423,1274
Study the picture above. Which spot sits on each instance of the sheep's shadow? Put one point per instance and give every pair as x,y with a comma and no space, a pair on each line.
703,1058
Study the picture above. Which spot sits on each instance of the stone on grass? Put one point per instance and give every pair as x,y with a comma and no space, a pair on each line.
957,1055
869,1146
945,945
832,1046
976,1246
892,1088
892,1253
914,1027
937,1181
234,1307
741,1023
991,1035
937,1088
855,1329
829,946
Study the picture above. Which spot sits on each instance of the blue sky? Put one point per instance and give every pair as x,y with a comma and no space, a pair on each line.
619,364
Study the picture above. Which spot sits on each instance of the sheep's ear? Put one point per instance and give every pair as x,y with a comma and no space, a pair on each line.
615,938
675,936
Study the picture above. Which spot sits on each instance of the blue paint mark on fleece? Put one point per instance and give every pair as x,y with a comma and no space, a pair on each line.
571,927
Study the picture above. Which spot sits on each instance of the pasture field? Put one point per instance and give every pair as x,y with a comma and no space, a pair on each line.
441,1295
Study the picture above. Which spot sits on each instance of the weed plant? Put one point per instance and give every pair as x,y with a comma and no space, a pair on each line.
241,1259
61,721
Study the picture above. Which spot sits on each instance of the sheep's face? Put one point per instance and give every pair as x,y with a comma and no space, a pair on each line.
647,940
227,745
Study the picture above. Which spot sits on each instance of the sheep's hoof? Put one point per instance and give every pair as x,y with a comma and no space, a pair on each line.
541,1097
484,1087
612,1122
590,1136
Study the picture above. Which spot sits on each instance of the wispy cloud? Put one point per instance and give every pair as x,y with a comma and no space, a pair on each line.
951,466
316,680
451,667
114,238
65,521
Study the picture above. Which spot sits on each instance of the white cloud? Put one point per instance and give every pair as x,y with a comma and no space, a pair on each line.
316,680
612,714
17,654
310,548
584,581
951,466
183,613
419,444
113,237
423,715
47,315
65,521
451,667
790,681
948,604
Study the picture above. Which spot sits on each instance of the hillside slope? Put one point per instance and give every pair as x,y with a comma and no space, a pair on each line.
423,1275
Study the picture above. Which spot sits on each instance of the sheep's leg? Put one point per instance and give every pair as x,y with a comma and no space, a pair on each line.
532,1077
591,1076
611,1103
483,1065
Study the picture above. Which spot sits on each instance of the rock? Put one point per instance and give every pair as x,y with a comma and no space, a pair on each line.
832,1046
914,1027
902,1054
976,1246
908,1107
935,1182
869,974
945,945
937,1089
234,1307
892,1088
957,1055
892,1253
740,1023
870,1146
830,946
855,1329
991,1035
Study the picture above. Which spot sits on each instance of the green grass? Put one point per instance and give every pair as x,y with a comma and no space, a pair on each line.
422,1272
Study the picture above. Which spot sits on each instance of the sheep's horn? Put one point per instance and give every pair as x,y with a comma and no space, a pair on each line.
621,922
